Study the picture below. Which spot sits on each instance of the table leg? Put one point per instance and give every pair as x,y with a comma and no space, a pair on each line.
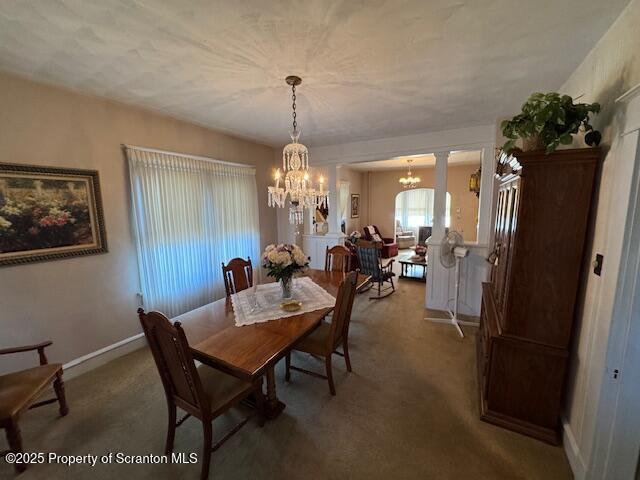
273,407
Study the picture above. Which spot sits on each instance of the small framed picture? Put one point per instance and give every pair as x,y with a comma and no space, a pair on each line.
49,213
355,205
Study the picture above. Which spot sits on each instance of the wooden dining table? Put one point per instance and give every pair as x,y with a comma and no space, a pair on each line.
251,351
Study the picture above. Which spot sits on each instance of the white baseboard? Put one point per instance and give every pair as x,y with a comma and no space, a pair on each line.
100,357
572,450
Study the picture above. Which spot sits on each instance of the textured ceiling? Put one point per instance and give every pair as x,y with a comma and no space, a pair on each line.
370,68
471,157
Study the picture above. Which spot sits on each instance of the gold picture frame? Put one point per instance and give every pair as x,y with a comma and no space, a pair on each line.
355,205
49,213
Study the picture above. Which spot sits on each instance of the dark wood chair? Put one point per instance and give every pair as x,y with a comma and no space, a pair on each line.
202,392
380,271
19,391
238,275
325,339
337,259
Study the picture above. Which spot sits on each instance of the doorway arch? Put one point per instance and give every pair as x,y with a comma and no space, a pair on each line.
414,209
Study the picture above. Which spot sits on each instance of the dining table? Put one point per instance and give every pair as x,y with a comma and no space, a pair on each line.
251,352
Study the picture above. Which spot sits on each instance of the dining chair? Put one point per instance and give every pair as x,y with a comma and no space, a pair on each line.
19,392
337,259
324,340
202,392
238,275
379,271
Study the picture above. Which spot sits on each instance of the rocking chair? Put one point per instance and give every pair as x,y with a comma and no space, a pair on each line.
371,264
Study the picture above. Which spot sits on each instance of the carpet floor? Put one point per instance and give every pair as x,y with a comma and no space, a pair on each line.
409,410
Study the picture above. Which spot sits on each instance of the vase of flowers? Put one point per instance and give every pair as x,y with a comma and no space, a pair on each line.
281,262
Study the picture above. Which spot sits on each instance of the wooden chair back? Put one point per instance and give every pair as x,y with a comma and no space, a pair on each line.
342,311
337,259
238,275
173,358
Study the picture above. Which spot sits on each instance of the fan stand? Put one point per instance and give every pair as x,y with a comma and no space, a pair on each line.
454,320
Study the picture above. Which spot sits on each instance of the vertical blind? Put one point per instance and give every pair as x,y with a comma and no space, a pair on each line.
189,215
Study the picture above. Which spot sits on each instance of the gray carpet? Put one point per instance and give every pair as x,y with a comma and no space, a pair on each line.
408,411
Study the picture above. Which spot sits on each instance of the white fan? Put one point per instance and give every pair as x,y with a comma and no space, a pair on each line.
451,254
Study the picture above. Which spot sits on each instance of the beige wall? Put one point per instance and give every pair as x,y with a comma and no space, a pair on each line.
610,69
86,303
383,187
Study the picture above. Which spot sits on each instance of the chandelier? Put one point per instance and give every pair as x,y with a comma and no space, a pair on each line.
409,181
295,169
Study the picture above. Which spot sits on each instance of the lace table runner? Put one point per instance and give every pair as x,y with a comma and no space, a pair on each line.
262,303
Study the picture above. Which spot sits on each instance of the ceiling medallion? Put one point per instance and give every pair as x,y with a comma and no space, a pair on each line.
409,181
295,169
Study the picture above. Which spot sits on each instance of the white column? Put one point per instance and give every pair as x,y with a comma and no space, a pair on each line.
487,190
333,185
437,293
440,196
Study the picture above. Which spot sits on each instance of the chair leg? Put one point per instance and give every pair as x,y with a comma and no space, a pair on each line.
58,387
393,287
332,387
287,362
207,431
345,350
15,444
171,430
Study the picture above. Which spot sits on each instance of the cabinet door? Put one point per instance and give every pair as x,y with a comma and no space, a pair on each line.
506,228
512,225
498,233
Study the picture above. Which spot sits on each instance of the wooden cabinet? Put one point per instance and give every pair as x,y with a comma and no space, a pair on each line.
529,305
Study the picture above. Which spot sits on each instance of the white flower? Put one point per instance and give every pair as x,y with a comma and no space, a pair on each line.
4,223
272,255
284,255
299,257
10,210
283,258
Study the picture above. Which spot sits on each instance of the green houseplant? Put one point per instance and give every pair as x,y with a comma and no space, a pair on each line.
550,119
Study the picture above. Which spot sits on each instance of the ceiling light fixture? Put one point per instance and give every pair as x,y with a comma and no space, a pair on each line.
295,167
409,181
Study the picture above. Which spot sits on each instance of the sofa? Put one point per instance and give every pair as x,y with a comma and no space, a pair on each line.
389,246
404,238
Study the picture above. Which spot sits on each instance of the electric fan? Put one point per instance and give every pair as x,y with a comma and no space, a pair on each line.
451,254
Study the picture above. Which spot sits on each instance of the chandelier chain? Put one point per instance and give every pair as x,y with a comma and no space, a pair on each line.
294,114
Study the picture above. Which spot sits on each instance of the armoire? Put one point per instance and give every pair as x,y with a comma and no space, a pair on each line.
529,305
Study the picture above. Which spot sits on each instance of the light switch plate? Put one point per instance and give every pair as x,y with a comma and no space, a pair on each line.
597,264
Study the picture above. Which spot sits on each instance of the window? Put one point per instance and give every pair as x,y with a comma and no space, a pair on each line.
414,208
189,215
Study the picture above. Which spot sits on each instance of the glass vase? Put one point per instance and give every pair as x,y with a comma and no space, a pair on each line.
286,284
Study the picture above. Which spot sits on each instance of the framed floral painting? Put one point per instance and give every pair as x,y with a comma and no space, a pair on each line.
49,213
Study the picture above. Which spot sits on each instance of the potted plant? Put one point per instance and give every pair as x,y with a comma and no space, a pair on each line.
281,262
549,120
